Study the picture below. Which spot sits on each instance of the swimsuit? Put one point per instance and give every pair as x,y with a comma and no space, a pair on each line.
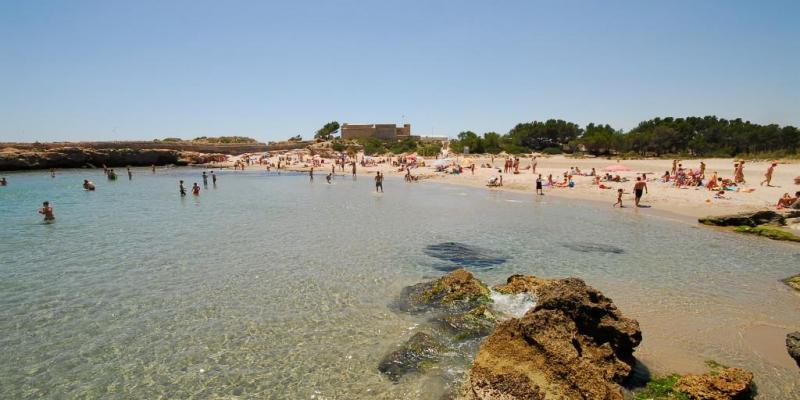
638,192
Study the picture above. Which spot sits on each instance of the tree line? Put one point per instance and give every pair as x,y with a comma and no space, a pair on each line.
693,136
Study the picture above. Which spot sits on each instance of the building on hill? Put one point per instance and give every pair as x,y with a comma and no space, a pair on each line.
380,131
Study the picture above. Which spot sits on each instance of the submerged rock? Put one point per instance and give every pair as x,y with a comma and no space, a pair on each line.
574,344
722,384
465,255
414,355
746,219
771,232
587,247
456,291
474,323
516,284
793,346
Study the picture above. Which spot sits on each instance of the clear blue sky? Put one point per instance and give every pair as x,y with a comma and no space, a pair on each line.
103,70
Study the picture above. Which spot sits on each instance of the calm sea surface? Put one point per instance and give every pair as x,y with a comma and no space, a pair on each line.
270,286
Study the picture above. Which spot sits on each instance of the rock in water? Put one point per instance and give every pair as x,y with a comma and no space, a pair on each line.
574,344
793,346
516,284
587,247
725,384
456,291
474,323
461,254
413,356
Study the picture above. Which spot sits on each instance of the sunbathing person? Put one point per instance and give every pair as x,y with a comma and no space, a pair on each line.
785,201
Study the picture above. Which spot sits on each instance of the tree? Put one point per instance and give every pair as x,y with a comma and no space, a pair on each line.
327,131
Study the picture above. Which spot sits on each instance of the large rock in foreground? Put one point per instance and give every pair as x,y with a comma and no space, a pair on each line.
456,291
574,344
517,284
726,384
793,346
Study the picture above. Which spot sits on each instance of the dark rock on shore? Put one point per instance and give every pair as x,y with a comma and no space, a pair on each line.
746,219
78,157
574,344
793,346
456,291
414,355
721,384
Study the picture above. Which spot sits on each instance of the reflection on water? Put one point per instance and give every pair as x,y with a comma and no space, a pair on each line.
272,286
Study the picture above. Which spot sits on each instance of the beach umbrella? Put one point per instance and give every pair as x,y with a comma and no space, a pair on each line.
616,168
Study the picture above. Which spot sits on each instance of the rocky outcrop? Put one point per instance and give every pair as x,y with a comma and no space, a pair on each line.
471,324
793,346
77,157
574,344
516,284
724,384
793,281
413,356
746,219
456,291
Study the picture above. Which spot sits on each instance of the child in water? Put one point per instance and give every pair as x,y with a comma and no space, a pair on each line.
619,199
196,189
47,211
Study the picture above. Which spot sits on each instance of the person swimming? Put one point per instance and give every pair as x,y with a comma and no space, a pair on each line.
47,211
3,181
88,185
112,175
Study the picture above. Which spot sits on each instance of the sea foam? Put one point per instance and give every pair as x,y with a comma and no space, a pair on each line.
513,305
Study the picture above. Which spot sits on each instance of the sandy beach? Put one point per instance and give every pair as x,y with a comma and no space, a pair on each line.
661,198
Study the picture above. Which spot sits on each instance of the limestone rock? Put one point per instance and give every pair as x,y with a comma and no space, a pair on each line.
456,291
413,356
516,284
746,219
574,344
793,346
725,384
474,323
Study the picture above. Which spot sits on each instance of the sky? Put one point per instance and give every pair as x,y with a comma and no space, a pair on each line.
140,70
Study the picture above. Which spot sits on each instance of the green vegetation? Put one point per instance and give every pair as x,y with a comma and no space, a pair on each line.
771,232
297,138
327,131
224,140
793,281
661,388
688,137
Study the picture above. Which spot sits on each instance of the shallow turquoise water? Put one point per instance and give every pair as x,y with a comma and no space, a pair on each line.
271,286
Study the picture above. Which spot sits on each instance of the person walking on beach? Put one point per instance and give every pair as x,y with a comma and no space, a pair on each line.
539,189
181,188
205,179
674,167
619,199
47,211
130,174
638,189
354,169
702,170
379,182
196,189
738,172
768,175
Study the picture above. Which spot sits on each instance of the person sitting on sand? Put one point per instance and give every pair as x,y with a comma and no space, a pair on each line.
665,177
593,173
619,199
785,201
88,185
47,211
721,195
796,204
550,181
712,182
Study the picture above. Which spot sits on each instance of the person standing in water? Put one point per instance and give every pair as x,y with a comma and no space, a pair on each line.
52,172
130,174
196,189
88,185
768,175
539,189
47,211
3,181
181,188
153,167
205,179
354,169
311,174
638,188
379,182
213,178
333,169
328,177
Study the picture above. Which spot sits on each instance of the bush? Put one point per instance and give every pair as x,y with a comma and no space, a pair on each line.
373,146
552,150
514,149
338,145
